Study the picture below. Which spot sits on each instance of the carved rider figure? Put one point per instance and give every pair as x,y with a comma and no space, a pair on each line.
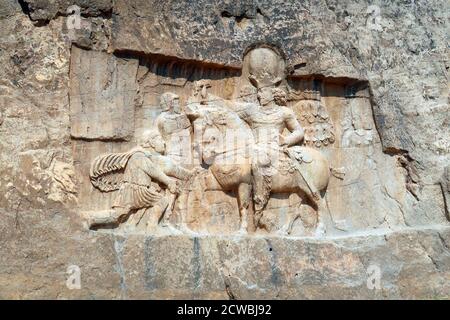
268,121
146,173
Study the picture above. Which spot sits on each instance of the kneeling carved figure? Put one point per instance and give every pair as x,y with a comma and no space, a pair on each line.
143,178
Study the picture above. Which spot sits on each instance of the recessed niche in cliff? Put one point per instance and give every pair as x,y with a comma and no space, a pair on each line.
116,99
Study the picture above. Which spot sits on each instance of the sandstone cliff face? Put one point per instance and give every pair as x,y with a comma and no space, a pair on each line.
70,94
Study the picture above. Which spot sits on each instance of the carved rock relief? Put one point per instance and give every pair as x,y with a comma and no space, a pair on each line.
306,160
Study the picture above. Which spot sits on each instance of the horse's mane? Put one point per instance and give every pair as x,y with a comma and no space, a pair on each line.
230,126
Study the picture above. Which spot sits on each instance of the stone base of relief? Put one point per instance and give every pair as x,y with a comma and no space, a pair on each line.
237,267
283,268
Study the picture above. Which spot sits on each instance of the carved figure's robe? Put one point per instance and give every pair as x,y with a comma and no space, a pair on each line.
138,190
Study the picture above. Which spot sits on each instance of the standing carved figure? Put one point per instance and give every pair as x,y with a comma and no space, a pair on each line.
175,128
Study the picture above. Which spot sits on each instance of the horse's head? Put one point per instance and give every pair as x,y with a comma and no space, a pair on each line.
213,137
224,136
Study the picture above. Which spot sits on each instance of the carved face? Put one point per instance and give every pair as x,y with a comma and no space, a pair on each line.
176,104
200,91
152,139
170,102
265,96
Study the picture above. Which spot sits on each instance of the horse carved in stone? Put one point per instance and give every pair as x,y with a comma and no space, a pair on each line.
229,164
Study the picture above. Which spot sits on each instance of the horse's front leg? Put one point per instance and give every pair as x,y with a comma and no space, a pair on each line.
245,209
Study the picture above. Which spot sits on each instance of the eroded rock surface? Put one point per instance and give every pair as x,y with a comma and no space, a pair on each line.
82,85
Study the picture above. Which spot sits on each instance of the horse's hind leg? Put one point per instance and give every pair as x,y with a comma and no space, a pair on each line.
286,229
293,218
245,208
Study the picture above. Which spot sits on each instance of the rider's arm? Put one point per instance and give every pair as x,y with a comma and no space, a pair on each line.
297,134
243,109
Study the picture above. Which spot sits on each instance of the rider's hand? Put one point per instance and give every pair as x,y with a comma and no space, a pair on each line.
283,144
173,188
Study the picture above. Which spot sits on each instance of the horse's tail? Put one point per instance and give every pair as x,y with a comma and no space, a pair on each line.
337,172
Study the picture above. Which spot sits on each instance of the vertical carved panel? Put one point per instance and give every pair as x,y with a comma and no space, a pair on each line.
102,94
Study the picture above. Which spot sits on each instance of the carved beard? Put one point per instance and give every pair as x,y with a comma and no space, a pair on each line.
266,102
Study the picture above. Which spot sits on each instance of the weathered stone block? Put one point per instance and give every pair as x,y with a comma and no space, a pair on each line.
102,92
